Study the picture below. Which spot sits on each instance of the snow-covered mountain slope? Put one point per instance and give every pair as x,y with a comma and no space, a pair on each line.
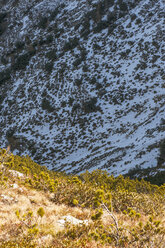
82,82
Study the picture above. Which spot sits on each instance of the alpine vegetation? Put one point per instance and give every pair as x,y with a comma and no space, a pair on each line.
42,208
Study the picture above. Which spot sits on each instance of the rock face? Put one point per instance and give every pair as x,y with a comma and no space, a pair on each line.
82,82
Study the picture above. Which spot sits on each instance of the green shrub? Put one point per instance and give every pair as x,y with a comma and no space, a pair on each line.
49,67
133,17
137,202
123,6
5,76
75,202
85,31
53,14
83,53
3,15
3,25
49,39
77,62
22,61
63,104
75,107
41,212
111,17
71,100
90,106
71,44
2,28
42,42
138,21
100,26
78,82
4,60
43,22
46,105
19,44
97,215
52,55
157,179
162,149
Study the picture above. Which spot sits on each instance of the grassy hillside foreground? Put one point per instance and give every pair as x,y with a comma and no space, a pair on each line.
36,204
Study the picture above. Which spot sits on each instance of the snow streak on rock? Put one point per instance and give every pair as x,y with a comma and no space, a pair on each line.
82,82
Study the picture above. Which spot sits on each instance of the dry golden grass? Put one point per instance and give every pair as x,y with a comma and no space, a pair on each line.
137,214
26,200
30,199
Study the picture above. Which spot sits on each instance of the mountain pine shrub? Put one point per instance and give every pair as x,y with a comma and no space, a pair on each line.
121,212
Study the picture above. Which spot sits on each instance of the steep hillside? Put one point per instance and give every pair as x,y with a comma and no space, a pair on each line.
82,83
41,208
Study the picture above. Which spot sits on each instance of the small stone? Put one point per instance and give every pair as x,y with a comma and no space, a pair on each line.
16,173
7,199
45,239
72,220
15,186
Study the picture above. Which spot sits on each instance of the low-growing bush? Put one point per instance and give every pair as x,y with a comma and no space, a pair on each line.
49,39
121,212
49,67
123,6
3,28
19,44
77,62
43,22
100,26
22,61
5,76
90,106
71,44
3,15
52,55
53,14
46,105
